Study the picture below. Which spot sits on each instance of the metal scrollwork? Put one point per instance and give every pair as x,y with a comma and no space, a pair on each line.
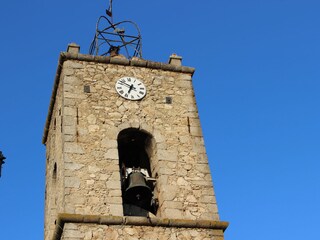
111,38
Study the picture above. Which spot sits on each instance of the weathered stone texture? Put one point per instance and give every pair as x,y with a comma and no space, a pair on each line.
100,232
82,141
54,166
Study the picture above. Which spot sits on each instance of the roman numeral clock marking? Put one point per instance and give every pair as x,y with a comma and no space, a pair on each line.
130,88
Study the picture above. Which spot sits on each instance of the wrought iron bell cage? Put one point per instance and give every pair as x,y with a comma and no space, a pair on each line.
124,35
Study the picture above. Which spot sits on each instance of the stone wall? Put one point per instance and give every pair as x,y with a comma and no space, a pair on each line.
101,232
86,119
54,166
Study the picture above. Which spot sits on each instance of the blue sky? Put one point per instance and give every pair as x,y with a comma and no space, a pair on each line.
257,88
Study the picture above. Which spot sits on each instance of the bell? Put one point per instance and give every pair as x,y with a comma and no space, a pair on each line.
138,192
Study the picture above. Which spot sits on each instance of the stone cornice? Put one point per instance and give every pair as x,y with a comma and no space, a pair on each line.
137,62
134,221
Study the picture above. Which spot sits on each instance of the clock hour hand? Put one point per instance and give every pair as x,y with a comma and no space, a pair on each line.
131,87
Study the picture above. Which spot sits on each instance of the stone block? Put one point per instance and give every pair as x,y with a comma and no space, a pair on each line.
69,138
191,199
73,48
69,102
107,143
194,122
131,231
94,200
73,234
77,199
170,193
72,182
69,88
69,120
202,158
73,166
196,131
93,169
212,207
112,132
74,95
173,205
113,165
69,111
202,168
112,234
184,84
73,64
163,170
185,77
173,213
115,176
188,100
115,200
207,199
115,209
90,182
71,147
158,136
88,235
162,180
68,72
70,79
70,130
182,182
93,128
202,183
199,149
115,193
184,139
167,155
112,154
182,172
91,119
113,185
135,123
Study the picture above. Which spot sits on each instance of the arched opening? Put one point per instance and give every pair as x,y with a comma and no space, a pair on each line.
137,182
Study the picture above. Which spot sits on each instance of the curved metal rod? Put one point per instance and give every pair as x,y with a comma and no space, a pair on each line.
121,37
95,45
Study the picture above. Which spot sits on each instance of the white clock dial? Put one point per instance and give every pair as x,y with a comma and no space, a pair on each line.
131,88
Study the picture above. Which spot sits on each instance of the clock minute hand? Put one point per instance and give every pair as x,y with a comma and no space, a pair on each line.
124,84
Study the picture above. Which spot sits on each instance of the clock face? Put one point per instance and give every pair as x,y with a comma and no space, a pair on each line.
131,88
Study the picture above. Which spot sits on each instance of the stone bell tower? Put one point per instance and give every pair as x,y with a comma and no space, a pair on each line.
125,152
125,156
